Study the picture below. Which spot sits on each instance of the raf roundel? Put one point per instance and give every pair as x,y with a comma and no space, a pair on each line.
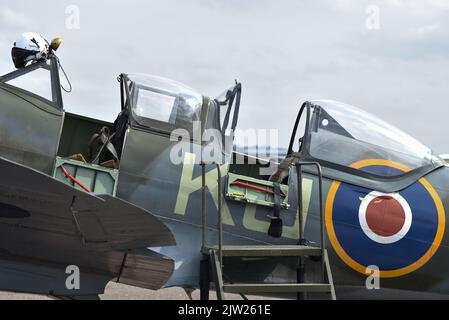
397,232
385,218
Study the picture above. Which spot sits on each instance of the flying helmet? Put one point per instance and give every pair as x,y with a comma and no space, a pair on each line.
29,47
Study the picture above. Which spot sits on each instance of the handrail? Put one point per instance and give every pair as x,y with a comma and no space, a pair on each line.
203,204
220,218
219,208
299,166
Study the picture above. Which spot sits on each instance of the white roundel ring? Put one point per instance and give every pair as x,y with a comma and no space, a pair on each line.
385,218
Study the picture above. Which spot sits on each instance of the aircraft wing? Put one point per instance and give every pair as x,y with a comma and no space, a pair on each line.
117,224
48,222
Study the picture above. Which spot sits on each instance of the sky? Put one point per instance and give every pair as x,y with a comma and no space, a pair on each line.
388,57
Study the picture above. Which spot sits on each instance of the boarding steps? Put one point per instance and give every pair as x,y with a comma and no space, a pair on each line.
304,252
214,257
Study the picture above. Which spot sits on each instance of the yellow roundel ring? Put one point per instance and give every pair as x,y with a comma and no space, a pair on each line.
384,273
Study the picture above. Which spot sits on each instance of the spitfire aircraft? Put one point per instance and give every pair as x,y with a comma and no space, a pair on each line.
140,202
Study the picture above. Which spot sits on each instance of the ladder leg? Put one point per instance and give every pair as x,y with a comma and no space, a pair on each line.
300,277
204,279
218,276
329,278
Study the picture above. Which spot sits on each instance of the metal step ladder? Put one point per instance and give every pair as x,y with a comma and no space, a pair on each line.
214,255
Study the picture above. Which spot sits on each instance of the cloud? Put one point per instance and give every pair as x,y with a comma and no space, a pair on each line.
427,29
12,19
284,52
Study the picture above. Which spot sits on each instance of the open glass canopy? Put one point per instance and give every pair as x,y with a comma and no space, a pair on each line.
356,147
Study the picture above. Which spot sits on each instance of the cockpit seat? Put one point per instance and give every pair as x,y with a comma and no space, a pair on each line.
77,157
106,148
101,150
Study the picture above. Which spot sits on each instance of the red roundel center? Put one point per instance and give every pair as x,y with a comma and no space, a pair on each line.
385,216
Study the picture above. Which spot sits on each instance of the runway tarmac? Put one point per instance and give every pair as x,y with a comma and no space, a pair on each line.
115,291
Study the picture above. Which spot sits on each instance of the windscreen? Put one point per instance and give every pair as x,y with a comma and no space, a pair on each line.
344,134
164,104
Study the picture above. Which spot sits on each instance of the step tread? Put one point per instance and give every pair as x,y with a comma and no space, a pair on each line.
273,250
276,287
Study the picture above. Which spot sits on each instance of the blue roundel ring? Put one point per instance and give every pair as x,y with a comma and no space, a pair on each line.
398,233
